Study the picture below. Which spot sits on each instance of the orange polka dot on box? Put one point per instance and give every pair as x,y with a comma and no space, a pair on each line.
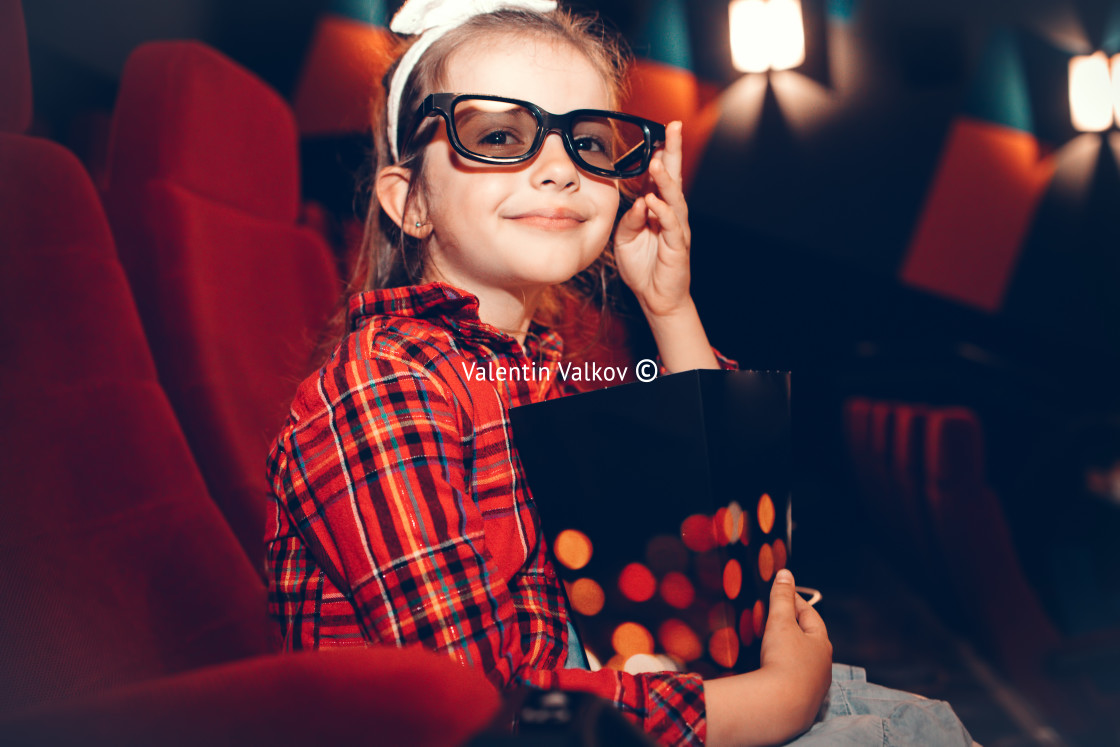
666,504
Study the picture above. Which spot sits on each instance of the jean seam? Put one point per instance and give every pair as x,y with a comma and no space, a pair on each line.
849,711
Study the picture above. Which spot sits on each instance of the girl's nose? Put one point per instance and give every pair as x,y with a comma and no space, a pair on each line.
552,167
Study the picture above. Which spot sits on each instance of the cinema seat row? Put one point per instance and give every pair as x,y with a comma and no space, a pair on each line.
920,471
133,598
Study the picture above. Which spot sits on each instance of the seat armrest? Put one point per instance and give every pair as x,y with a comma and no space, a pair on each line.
379,695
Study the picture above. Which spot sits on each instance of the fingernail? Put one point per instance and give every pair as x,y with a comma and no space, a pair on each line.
784,576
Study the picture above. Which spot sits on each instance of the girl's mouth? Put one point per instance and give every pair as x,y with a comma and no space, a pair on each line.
553,219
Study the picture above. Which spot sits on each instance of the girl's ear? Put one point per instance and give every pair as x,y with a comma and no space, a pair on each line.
392,187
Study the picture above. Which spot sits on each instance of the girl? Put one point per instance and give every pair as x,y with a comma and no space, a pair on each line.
402,514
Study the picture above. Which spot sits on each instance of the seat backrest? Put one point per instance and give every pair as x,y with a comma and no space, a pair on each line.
976,544
341,75
115,565
880,459
857,430
15,69
910,481
909,448
203,194
661,92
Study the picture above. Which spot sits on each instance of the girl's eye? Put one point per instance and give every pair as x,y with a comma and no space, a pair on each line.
497,137
590,144
499,143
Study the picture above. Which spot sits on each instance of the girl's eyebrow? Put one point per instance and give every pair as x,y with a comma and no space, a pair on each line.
469,114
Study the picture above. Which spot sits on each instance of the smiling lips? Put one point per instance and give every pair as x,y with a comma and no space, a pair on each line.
552,219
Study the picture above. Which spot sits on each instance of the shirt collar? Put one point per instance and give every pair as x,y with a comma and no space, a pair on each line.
452,308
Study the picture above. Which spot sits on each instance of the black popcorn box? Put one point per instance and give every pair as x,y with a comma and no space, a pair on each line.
667,508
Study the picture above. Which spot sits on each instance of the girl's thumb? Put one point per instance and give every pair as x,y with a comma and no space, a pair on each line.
781,596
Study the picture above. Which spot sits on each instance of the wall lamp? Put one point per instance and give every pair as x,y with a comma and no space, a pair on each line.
1094,92
766,35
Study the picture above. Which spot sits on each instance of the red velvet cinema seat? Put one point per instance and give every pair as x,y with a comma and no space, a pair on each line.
122,580
115,564
131,614
203,196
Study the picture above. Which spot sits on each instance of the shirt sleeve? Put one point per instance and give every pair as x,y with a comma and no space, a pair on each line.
376,484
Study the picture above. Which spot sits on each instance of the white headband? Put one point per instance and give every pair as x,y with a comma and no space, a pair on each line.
432,19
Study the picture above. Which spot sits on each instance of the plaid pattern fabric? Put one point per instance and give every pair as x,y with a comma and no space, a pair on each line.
401,514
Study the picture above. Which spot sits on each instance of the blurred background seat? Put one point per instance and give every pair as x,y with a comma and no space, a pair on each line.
940,513
203,194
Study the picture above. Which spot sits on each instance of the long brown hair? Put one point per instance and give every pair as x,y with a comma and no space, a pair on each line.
389,257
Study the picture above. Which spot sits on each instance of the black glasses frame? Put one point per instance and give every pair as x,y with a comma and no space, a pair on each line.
443,105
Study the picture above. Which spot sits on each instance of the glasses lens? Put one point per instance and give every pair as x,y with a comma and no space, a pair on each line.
608,143
494,129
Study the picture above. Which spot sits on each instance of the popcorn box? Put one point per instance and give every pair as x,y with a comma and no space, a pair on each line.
666,505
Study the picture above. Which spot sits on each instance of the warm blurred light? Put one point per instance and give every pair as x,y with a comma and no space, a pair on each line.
724,647
722,615
618,661
670,663
677,590
696,533
666,553
593,662
749,47
765,562
733,522
781,557
642,663
746,627
586,596
1116,86
1090,93
637,583
732,579
766,35
765,513
759,614
787,29
572,548
720,526
680,640
631,638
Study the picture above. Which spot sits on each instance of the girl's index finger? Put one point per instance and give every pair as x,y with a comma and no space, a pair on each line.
672,154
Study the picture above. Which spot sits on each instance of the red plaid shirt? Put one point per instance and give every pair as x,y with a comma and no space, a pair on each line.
401,514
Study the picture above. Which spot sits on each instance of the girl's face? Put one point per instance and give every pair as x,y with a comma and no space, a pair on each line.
517,228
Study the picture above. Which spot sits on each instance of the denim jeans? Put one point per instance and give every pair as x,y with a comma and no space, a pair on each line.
860,714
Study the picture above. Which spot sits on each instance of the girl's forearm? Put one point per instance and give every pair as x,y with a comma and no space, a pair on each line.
755,709
681,339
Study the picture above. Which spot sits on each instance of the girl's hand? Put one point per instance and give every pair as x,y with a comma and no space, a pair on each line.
652,241
795,645
780,699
